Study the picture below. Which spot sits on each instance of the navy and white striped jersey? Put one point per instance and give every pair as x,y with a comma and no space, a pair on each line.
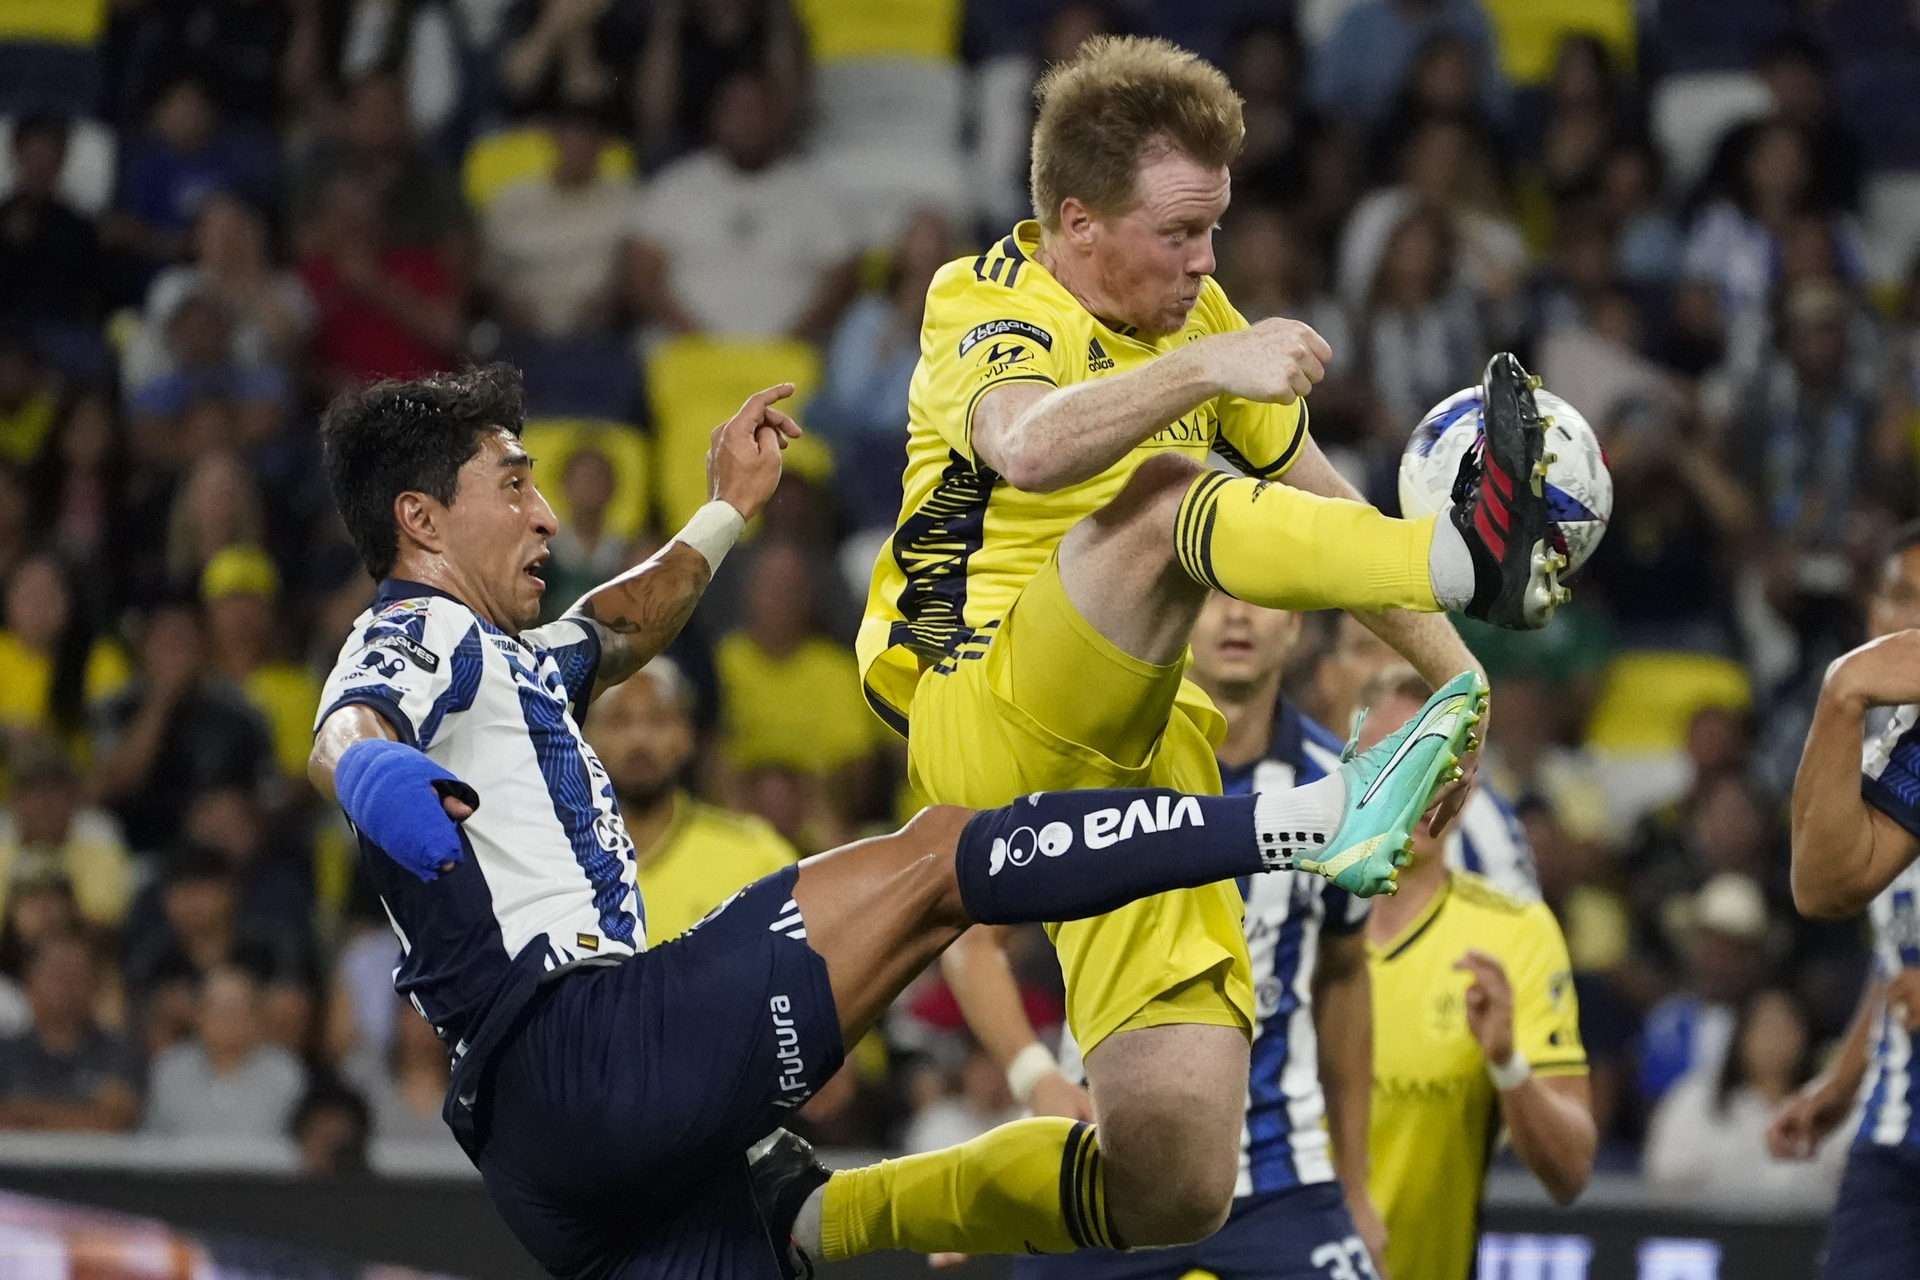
548,876
1890,782
1488,840
1283,1141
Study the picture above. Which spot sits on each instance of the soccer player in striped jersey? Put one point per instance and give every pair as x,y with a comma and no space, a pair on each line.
622,1104
1854,845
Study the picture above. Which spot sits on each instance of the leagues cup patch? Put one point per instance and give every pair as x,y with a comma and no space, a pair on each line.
418,654
1003,328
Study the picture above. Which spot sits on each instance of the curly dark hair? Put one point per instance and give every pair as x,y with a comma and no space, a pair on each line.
410,437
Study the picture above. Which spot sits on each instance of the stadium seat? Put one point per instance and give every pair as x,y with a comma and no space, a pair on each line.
552,441
86,179
1649,697
854,30
498,160
580,376
1690,114
1890,205
696,383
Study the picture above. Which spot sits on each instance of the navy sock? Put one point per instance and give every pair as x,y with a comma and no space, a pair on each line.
1067,855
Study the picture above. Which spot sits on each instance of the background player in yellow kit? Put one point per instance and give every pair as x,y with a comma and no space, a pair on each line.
1474,997
1060,532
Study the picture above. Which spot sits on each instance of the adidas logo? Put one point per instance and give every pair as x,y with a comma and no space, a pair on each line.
1098,361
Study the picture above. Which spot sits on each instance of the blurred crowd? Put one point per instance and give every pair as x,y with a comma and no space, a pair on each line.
1697,219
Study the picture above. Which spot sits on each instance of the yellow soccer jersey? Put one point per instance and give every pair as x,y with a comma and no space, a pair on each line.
967,541
802,712
1435,1112
706,854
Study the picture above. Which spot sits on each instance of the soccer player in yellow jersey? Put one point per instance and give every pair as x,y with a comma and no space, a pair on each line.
1475,1027
1027,623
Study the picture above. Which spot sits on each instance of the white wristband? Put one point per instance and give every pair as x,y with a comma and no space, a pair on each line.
712,531
1512,1073
1027,1069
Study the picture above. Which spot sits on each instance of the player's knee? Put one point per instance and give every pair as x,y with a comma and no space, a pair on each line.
1182,1207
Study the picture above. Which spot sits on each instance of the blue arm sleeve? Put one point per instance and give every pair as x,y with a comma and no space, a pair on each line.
392,795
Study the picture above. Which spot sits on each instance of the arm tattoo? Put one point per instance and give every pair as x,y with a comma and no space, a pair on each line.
638,613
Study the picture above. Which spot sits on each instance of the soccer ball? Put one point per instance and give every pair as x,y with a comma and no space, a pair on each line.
1579,490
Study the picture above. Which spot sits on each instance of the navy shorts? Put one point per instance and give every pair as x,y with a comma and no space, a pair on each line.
615,1120
1303,1233
1875,1227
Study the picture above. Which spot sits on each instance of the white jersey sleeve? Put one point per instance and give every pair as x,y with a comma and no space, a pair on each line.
574,644
1890,770
414,661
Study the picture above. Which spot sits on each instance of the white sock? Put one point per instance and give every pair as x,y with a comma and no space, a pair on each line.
1450,565
806,1227
1299,822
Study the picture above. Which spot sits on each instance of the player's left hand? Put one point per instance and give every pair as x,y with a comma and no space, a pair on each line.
743,461
1489,1005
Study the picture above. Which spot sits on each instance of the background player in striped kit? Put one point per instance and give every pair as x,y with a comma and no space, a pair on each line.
1848,844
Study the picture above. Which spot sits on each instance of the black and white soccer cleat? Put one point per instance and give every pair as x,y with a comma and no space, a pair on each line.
785,1172
1500,506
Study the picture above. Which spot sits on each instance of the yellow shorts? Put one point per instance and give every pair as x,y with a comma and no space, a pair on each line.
1043,702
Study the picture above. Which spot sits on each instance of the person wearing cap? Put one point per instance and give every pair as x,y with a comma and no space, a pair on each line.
1723,932
47,829
238,587
689,856
1477,1029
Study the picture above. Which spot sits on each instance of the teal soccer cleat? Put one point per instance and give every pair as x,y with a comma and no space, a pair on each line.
1390,786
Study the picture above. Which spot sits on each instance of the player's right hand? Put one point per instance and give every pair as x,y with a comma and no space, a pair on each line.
1883,672
1276,361
743,461
1055,1095
1803,1122
405,803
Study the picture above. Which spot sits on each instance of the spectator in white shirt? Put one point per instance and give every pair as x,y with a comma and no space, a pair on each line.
1709,1133
551,245
228,1082
738,239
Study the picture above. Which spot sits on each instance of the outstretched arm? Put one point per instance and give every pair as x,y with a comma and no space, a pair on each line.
1343,1028
1804,1120
1845,851
1041,439
976,968
638,613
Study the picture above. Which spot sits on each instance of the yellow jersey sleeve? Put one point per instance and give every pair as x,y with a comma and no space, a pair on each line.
981,333
1546,1014
1260,439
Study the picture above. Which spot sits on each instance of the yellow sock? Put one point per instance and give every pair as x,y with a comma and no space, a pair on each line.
1284,548
1031,1186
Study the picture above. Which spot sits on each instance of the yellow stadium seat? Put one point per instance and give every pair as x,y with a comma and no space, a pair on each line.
696,383
498,160
70,22
552,441
845,30
1529,33
1648,698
